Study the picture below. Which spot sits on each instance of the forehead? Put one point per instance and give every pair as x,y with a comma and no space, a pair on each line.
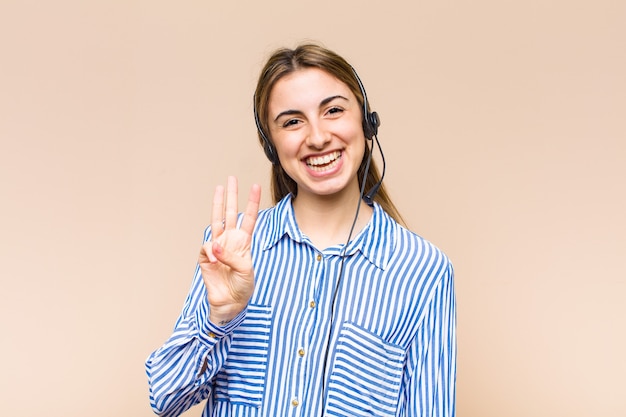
305,87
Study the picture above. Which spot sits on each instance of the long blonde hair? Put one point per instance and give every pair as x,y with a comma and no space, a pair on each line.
286,61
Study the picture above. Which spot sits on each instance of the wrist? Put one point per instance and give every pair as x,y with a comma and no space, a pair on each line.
223,315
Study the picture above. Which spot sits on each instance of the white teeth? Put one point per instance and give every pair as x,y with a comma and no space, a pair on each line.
316,162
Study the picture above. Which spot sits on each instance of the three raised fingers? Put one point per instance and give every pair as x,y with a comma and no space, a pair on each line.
225,211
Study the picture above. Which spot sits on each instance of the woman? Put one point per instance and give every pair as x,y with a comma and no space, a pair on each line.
323,304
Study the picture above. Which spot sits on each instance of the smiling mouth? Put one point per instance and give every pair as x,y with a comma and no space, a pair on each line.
323,163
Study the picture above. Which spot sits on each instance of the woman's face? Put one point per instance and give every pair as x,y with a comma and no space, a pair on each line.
316,125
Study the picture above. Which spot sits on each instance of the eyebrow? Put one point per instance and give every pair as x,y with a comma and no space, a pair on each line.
322,104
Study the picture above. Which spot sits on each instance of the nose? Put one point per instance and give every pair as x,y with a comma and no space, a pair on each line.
317,137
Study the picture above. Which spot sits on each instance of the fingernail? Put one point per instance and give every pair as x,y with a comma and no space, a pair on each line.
217,248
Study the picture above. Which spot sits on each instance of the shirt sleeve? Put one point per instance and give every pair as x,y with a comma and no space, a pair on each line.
431,389
177,375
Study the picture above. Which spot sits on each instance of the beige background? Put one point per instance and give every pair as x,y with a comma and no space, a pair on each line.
503,124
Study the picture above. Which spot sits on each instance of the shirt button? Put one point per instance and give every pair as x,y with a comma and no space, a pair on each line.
312,304
319,257
295,402
212,335
301,352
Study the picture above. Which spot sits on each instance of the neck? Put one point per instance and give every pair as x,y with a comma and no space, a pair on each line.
327,220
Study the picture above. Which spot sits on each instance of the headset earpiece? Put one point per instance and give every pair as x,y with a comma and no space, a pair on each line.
371,121
268,147
269,150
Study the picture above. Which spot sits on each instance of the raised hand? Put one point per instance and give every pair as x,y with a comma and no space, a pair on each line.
225,261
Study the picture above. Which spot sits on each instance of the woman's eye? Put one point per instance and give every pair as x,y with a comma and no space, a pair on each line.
290,122
335,110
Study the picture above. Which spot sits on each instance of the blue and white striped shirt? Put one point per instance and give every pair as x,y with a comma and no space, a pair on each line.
392,347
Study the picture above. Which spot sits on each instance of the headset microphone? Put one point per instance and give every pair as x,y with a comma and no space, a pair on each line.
369,197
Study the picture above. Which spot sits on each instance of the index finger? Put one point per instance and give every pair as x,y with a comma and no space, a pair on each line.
217,215
230,215
252,209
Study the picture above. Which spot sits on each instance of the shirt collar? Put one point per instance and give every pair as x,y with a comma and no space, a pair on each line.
376,241
282,221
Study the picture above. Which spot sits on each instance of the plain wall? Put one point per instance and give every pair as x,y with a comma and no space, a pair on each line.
504,131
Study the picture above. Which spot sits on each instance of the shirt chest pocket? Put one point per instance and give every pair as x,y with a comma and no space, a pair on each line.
242,378
366,375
